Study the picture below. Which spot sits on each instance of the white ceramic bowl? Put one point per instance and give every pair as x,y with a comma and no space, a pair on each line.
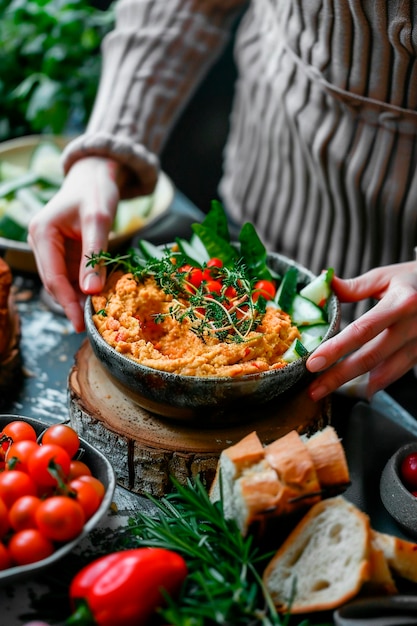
100,467
211,401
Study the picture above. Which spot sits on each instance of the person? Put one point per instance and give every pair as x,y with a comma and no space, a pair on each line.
321,155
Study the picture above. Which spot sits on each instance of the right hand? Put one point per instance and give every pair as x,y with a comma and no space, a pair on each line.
73,225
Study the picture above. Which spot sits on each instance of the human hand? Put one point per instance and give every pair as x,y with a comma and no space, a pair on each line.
382,342
75,223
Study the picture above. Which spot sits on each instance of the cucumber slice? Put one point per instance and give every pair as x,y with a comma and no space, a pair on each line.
318,290
14,223
46,161
312,336
8,187
296,351
9,171
305,313
149,250
200,248
131,214
192,255
287,289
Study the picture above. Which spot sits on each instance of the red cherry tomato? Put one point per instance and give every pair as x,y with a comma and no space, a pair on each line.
408,471
18,454
29,546
264,288
214,262
40,461
19,430
214,286
86,495
196,277
96,483
78,468
22,514
4,518
64,436
60,518
14,484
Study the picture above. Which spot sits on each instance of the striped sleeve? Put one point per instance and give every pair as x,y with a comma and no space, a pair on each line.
153,60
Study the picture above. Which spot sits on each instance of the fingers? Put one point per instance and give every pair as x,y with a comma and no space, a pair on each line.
387,356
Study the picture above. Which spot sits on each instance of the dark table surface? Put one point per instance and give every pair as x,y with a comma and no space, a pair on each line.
48,346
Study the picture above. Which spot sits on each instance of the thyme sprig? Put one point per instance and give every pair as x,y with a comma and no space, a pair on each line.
229,318
224,585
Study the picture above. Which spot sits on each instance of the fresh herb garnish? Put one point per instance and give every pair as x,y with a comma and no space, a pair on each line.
224,585
220,307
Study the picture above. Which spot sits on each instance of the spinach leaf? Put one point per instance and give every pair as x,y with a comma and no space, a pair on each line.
216,246
216,221
253,253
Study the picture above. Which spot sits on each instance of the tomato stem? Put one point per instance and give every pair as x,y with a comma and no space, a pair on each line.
82,616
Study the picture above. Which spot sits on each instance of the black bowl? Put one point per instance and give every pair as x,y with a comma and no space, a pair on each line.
214,399
100,467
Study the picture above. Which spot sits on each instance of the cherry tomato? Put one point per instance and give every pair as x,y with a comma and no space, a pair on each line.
408,471
78,468
86,495
230,292
29,546
214,286
214,262
96,483
196,277
40,461
4,518
22,513
60,518
18,454
14,484
5,560
264,288
19,430
64,436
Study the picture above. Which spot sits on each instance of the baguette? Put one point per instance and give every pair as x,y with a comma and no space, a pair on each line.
257,483
324,561
400,554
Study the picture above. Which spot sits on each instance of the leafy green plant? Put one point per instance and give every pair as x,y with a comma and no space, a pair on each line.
50,64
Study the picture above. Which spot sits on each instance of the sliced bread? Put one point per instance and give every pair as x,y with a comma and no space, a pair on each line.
324,561
400,554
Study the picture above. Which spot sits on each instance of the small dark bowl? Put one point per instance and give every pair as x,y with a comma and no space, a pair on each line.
214,400
397,499
100,467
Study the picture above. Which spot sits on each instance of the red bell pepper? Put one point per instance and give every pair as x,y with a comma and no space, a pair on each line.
124,588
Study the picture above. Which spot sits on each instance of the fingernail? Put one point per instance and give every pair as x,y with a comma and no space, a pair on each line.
317,393
92,283
317,363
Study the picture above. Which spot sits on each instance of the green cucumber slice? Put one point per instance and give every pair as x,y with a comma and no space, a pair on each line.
192,255
296,351
46,161
149,250
305,313
9,171
318,290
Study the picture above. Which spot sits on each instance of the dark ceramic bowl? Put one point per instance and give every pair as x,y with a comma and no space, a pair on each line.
208,400
397,499
100,467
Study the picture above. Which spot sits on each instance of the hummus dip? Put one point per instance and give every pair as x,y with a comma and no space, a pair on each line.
125,317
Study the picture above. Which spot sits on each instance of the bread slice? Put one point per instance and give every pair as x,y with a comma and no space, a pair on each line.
400,554
232,462
324,561
328,457
381,581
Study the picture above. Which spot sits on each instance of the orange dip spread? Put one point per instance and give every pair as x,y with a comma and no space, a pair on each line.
129,326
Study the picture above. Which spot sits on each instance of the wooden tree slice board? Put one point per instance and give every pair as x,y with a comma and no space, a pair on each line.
146,449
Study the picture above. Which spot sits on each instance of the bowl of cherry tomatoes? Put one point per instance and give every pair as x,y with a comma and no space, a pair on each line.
54,489
398,488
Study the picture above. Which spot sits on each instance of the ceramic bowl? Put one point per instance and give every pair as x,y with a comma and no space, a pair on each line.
397,499
206,400
18,254
100,467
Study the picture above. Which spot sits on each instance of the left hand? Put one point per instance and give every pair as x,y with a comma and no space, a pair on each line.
382,342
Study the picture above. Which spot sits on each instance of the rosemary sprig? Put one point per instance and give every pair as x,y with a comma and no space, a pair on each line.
211,314
224,585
